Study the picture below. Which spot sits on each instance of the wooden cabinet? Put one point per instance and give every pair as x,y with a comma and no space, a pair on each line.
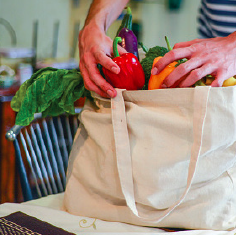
8,179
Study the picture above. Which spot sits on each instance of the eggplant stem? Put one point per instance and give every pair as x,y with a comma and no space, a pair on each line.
128,11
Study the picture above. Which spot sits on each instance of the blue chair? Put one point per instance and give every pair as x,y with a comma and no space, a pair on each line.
41,152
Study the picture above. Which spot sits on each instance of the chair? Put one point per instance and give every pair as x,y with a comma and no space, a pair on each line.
41,152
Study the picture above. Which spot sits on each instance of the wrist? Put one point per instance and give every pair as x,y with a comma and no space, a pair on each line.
103,12
95,24
90,29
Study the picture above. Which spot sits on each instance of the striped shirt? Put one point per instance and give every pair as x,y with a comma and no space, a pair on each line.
217,18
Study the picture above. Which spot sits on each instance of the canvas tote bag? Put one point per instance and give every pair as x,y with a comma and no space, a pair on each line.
163,158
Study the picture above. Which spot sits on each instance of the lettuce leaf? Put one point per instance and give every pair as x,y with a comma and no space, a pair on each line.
49,91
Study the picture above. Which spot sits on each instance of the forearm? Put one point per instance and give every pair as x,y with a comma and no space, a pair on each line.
103,12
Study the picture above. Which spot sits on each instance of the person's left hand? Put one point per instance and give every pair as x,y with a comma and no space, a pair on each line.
215,56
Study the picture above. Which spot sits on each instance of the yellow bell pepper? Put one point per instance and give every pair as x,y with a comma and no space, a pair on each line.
230,82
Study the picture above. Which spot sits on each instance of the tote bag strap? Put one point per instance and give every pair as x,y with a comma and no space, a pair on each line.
123,153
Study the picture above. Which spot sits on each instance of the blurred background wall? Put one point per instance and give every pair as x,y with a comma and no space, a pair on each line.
22,14
152,17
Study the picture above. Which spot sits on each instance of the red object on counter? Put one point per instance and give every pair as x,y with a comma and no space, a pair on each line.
131,76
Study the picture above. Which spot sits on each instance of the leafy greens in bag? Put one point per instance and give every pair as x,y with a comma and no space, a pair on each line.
49,91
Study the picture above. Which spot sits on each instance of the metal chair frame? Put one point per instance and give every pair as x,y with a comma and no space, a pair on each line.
46,144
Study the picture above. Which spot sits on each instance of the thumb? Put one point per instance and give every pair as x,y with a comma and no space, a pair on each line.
121,50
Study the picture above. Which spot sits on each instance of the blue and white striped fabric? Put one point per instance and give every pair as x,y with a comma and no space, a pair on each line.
217,18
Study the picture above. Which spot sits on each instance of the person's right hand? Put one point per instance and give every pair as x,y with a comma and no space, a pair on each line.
96,48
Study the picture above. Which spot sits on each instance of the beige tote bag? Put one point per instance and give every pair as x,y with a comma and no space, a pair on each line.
163,158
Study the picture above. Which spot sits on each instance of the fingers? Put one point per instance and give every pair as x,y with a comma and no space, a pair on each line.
188,43
220,78
214,57
106,62
182,71
191,77
92,78
89,84
121,50
218,82
196,75
93,81
169,57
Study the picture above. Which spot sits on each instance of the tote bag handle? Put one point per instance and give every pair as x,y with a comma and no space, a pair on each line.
123,154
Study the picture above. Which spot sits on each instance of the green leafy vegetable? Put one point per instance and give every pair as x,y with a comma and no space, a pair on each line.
49,91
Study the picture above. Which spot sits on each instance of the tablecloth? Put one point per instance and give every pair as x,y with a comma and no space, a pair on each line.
48,209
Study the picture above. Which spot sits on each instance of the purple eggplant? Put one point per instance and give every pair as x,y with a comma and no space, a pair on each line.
129,41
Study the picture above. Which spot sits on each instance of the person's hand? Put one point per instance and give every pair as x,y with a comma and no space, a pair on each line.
96,48
215,56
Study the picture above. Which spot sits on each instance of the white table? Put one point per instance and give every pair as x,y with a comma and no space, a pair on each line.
49,209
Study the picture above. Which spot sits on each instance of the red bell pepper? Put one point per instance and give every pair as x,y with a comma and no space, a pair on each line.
131,76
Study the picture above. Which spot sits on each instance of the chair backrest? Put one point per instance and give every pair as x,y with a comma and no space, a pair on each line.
41,152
